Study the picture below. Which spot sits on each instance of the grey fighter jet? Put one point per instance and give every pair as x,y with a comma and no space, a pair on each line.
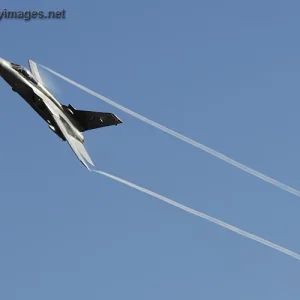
66,122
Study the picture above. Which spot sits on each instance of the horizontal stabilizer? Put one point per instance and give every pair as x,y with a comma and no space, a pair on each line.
91,119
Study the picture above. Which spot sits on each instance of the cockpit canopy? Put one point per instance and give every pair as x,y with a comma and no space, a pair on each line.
24,72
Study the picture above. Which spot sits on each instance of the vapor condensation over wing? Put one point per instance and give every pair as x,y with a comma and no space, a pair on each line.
50,84
182,137
204,216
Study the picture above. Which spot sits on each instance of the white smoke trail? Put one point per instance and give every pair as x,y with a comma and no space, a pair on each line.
182,137
204,216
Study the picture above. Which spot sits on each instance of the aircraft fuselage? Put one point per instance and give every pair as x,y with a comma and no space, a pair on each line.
29,90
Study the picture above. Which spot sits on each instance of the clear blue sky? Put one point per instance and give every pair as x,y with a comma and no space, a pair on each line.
225,73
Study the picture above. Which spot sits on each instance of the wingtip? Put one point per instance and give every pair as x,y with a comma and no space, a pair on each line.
85,165
118,120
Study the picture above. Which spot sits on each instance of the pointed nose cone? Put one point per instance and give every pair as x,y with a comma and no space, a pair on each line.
3,66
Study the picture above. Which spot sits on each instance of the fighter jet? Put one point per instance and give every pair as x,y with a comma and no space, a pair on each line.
66,122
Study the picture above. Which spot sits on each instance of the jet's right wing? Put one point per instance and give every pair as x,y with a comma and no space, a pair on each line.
35,71
92,119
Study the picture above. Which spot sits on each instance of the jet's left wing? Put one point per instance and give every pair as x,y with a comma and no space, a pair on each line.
35,71
60,121
76,145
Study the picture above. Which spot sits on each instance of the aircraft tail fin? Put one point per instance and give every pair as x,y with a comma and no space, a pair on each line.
89,120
